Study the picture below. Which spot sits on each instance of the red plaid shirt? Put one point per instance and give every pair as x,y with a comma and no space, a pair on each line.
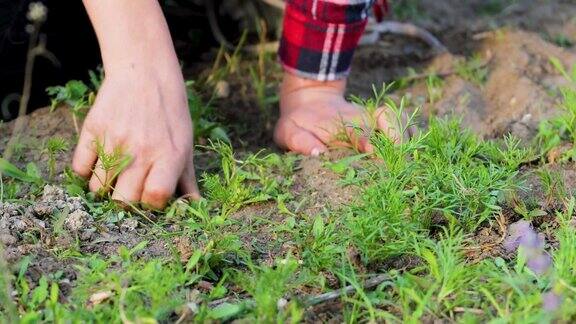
320,36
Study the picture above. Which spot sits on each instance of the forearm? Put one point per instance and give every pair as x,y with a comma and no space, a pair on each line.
131,33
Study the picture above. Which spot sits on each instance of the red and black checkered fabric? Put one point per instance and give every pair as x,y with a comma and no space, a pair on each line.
320,36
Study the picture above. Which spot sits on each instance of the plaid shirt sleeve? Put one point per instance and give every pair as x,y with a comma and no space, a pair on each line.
319,36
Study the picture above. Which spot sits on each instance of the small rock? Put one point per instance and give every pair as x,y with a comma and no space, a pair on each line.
129,225
98,298
75,203
53,193
7,239
281,303
87,235
77,220
42,209
64,241
19,225
205,285
8,209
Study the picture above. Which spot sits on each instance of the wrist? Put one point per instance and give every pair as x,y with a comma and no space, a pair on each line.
132,34
292,83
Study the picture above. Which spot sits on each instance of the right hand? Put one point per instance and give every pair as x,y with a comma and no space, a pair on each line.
141,108
143,112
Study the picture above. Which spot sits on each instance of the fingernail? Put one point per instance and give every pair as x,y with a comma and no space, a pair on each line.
315,152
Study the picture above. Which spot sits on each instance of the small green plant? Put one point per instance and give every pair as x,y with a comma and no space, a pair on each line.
78,96
473,70
408,9
551,133
52,148
112,164
553,184
434,85
268,286
31,175
201,113
232,189
562,40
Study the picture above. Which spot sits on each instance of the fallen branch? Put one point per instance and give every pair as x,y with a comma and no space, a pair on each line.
322,298
374,30
318,299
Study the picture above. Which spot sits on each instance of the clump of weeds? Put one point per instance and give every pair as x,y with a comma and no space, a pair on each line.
405,250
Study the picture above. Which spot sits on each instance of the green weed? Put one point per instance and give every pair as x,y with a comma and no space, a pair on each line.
112,164
473,70
268,287
52,148
551,133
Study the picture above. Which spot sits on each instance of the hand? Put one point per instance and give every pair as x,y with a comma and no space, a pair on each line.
141,108
315,115
146,117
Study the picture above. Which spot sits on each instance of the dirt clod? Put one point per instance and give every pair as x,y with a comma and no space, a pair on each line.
78,220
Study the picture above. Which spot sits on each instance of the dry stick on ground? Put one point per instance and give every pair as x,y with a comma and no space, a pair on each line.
322,298
374,30
368,284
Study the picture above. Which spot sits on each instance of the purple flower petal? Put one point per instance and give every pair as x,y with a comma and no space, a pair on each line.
539,263
551,301
516,233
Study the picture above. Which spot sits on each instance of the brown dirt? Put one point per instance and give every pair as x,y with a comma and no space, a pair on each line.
39,126
521,87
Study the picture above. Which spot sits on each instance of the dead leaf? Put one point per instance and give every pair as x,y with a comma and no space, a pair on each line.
99,297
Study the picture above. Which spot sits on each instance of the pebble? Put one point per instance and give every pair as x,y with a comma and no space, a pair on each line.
78,220
129,225
7,239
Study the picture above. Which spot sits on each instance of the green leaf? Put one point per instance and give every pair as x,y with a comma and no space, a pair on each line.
30,317
74,190
218,133
139,247
33,171
318,227
193,261
54,292
10,170
560,67
40,293
77,89
342,165
225,310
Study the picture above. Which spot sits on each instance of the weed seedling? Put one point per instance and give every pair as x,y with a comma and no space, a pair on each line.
112,164
52,147
78,96
473,70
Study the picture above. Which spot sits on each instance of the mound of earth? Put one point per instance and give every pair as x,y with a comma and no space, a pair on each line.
521,88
